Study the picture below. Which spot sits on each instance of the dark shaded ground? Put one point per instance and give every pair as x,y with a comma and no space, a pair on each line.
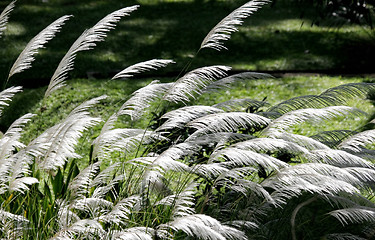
174,30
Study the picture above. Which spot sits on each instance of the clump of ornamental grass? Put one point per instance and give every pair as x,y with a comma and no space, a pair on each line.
234,170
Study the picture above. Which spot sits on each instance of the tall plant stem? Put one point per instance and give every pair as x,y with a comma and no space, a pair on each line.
294,214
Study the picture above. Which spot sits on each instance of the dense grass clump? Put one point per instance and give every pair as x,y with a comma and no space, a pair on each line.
163,166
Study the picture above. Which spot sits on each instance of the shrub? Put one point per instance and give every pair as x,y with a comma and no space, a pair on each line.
235,170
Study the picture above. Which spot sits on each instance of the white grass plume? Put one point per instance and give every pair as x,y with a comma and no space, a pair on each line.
11,225
7,95
120,212
227,81
292,118
85,42
65,135
238,105
270,145
182,204
358,142
238,158
79,186
4,16
338,158
343,236
142,98
226,122
134,233
223,30
348,91
201,226
141,67
114,140
180,117
354,215
10,140
306,142
26,57
193,83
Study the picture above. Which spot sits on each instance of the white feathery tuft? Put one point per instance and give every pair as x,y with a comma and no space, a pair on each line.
201,226
194,82
223,30
142,98
85,42
141,67
227,81
180,117
354,215
182,204
6,96
358,142
270,145
292,118
4,16
79,186
65,136
134,233
226,122
338,158
26,57
235,157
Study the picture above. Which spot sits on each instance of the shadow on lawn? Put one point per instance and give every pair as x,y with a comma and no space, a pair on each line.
174,30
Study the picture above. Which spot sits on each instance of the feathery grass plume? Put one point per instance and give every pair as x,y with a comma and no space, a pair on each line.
134,233
7,95
26,57
182,203
121,212
226,122
223,30
238,105
79,186
348,91
91,206
90,229
113,140
142,98
63,137
306,142
180,117
287,187
343,236
12,225
338,158
227,81
289,119
86,41
358,142
194,82
267,145
235,158
141,67
201,226
302,102
321,179
10,140
4,16
354,215
333,138
235,180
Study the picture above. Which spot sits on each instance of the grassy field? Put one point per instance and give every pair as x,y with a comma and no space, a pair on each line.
273,39
79,90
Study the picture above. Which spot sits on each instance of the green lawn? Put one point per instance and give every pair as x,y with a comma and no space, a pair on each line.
62,102
273,39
